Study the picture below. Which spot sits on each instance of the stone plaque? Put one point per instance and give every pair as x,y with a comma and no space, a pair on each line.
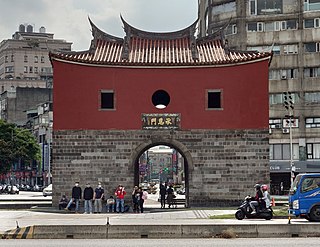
161,121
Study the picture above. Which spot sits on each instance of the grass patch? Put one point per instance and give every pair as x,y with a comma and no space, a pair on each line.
277,211
222,217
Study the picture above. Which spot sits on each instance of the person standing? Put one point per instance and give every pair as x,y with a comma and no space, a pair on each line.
120,193
98,196
170,195
76,197
88,196
163,192
135,199
143,197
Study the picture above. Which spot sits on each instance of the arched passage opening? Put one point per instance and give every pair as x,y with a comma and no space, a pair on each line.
156,162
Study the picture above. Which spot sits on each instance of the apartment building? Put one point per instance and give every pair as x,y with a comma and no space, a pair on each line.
291,29
24,59
25,63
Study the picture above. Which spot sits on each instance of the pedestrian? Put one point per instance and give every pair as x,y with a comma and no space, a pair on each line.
88,196
163,192
63,202
135,199
98,197
170,196
120,193
143,197
76,197
111,204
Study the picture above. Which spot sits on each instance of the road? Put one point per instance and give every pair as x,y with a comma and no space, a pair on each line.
262,242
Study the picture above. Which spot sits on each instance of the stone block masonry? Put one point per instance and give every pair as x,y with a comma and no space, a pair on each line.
222,166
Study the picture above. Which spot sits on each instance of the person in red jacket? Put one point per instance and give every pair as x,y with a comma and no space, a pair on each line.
120,193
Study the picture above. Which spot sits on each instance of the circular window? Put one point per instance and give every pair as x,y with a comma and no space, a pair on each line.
160,99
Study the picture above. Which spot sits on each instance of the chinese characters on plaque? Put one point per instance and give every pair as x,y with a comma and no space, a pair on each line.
161,121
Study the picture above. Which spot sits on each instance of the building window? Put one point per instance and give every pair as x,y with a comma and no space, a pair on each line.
25,69
275,49
312,97
231,29
277,98
313,122
42,59
36,70
267,7
311,72
275,123
310,5
107,99
283,74
6,59
25,58
30,69
12,58
313,151
255,27
282,151
160,99
35,59
224,8
290,49
312,47
214,100
9,69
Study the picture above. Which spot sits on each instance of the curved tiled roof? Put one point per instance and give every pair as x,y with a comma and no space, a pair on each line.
141,48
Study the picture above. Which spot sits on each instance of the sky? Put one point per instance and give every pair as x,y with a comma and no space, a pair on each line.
68,19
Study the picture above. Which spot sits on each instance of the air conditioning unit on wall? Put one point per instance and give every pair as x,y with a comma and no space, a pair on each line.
285,131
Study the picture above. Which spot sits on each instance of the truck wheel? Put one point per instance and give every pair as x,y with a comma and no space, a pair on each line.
315,214
239,215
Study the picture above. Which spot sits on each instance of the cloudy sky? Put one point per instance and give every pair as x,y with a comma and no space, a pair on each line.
68,19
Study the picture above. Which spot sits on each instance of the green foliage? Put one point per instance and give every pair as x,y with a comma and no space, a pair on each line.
16,144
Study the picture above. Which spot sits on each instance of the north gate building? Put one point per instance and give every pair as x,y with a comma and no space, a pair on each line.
126,95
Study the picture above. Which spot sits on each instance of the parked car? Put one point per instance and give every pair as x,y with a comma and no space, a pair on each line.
47,191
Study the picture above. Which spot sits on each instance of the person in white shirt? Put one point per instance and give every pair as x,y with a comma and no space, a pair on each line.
266,196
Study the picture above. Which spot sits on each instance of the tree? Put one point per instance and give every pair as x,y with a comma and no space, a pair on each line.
16,144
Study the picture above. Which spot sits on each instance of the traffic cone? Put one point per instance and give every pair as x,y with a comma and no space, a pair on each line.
273,203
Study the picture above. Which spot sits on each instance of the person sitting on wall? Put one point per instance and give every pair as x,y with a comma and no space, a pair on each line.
63,202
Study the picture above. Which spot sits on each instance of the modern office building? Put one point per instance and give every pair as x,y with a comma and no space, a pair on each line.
290,28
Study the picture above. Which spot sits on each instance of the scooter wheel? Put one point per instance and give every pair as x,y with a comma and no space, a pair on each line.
269,217
239,215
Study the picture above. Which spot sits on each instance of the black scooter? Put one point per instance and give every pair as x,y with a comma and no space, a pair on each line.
245,211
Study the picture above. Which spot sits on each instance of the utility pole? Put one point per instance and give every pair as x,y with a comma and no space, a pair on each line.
289,105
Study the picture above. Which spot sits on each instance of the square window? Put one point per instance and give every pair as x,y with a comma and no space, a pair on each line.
214,100
107,100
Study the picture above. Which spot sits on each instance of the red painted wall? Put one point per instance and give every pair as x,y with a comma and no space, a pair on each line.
244,90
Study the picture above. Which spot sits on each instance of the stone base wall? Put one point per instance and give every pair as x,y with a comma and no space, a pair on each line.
223,165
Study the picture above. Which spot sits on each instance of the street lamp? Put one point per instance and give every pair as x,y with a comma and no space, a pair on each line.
288,104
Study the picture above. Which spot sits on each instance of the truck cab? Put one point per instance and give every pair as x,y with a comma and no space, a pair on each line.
304,196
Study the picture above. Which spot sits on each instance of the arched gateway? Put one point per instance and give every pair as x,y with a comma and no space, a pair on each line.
125,95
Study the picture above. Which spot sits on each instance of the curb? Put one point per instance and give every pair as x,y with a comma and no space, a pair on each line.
175,231
18,233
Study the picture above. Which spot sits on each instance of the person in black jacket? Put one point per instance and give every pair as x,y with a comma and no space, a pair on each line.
255,201
76,197
163,192
88,196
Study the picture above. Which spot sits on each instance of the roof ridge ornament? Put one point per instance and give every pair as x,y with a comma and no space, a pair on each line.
99,34
187,32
